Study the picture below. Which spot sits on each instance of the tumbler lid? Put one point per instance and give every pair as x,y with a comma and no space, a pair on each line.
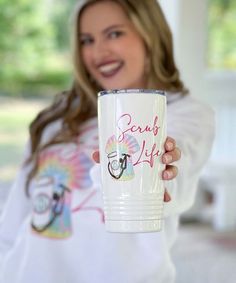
119,91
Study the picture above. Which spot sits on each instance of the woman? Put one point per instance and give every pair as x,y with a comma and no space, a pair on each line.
54,231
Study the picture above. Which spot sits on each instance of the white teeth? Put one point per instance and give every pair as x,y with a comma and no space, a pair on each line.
109,67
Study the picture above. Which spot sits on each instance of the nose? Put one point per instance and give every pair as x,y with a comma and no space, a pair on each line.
100,50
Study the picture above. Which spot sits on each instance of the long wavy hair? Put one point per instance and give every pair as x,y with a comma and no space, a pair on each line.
79,104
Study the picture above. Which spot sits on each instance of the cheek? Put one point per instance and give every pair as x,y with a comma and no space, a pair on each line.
137,59
86,58
135,53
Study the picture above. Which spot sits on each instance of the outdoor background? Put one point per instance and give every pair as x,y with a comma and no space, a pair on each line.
35,64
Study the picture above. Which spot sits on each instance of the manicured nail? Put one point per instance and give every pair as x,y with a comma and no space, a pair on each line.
167,159
166,175
169,145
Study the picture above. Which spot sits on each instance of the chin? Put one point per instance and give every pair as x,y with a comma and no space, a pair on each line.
115,85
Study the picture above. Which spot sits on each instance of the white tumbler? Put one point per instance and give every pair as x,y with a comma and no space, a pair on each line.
132,132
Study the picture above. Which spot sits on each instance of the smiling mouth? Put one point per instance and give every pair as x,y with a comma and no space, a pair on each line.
110,69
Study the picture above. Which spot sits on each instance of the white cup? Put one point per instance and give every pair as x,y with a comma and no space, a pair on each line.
132,132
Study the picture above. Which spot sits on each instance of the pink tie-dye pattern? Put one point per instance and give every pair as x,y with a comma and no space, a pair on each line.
72,172
69,165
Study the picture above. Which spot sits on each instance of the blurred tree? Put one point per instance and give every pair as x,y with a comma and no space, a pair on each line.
26,37
33,41
222,34
60,18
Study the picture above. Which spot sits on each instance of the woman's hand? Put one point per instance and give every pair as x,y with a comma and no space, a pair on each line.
172,154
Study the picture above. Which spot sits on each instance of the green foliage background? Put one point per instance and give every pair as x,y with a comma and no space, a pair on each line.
34,46
222,34
35,36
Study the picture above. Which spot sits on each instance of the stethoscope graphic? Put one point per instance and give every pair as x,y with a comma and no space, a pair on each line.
115,165
58,200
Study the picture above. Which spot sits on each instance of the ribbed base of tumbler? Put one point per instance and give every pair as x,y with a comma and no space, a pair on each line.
134,226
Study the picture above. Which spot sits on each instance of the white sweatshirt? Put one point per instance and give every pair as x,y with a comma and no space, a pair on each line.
57,235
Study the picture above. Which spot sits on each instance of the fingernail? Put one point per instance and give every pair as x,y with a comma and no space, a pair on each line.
167,175
167,158
169,145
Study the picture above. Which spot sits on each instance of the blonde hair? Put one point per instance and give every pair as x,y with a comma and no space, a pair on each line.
80,103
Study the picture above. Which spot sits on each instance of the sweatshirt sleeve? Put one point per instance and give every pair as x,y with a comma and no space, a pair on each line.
191,123
14,213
